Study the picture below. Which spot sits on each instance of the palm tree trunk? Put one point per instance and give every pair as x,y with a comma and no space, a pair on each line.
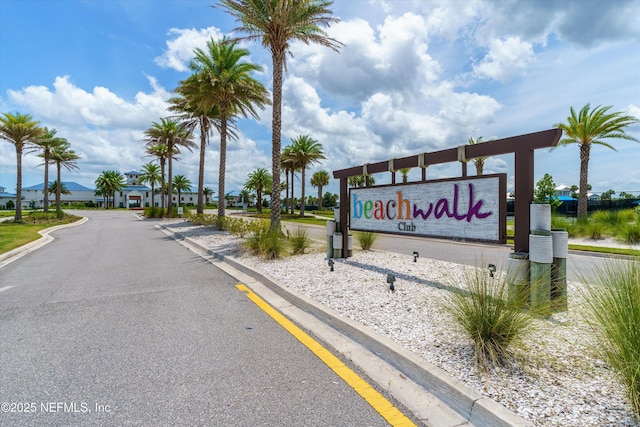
58,188
223,159
303,199
153,194
319,197
45,190
293,198
203,142
18,215
585,150
169,178
278,62
162,166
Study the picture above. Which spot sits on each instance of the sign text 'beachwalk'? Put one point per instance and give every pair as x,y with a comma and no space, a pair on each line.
460,208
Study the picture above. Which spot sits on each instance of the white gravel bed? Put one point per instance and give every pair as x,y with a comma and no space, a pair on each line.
559,381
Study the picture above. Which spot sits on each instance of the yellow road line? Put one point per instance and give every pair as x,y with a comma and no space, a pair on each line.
385,408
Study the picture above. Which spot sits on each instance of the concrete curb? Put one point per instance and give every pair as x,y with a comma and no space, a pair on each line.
19,252
464,400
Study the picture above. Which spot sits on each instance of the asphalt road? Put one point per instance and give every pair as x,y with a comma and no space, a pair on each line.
579,265
114,323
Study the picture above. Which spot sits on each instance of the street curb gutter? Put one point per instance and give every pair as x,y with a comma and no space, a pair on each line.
21,251
464,400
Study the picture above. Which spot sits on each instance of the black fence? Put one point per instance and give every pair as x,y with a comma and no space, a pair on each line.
570,208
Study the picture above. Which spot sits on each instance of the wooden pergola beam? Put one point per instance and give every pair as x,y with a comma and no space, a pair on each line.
523,146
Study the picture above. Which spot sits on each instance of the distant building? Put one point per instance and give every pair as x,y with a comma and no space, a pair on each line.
137,196
33,197
5,197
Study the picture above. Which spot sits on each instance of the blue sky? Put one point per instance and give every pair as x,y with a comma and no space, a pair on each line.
413,76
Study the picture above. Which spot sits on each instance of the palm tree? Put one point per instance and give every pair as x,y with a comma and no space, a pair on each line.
360,181
224,69
277,24
181,183
107,183
405,174
478,161
47,142
259,180
62,156
320,179
207,192
170,133
151,175
20,130
53,188
196,109
289,164
306,151
588,128
160,152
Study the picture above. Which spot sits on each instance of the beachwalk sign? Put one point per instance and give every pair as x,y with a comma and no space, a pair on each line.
469,208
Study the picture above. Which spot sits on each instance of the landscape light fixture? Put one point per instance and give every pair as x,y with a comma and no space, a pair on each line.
492,269
415,256
390,279
331,264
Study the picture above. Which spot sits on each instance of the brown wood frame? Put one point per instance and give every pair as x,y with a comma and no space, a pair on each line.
523,147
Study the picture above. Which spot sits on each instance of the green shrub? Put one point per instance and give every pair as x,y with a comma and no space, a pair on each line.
595,230
300,241
604,217
626,216
630,233
153,212
366,239
558,221
612,298
490,320
267,243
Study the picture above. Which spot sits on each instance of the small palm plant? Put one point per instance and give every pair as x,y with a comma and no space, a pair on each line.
491,320
612,297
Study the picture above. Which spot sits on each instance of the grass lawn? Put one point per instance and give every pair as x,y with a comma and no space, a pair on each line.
14,235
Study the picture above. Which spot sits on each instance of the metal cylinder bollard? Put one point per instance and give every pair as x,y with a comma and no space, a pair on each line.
541,257
337,245
559,270
331,228
518,278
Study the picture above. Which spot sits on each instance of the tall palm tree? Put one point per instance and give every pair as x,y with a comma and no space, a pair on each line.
181,183
20,130
588,128
306,151
224,68
277,24
151,175
62,156
196,109
320,179
259,180
289,165
47,142
160,152
478,162
107,183
170,133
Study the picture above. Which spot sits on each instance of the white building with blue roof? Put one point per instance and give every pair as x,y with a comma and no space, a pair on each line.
6,197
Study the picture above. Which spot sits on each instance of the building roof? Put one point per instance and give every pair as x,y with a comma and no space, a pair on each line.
132,173
5,194
136,187
70,185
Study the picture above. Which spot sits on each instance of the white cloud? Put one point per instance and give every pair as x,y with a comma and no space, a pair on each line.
68,104
505,60
179,50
